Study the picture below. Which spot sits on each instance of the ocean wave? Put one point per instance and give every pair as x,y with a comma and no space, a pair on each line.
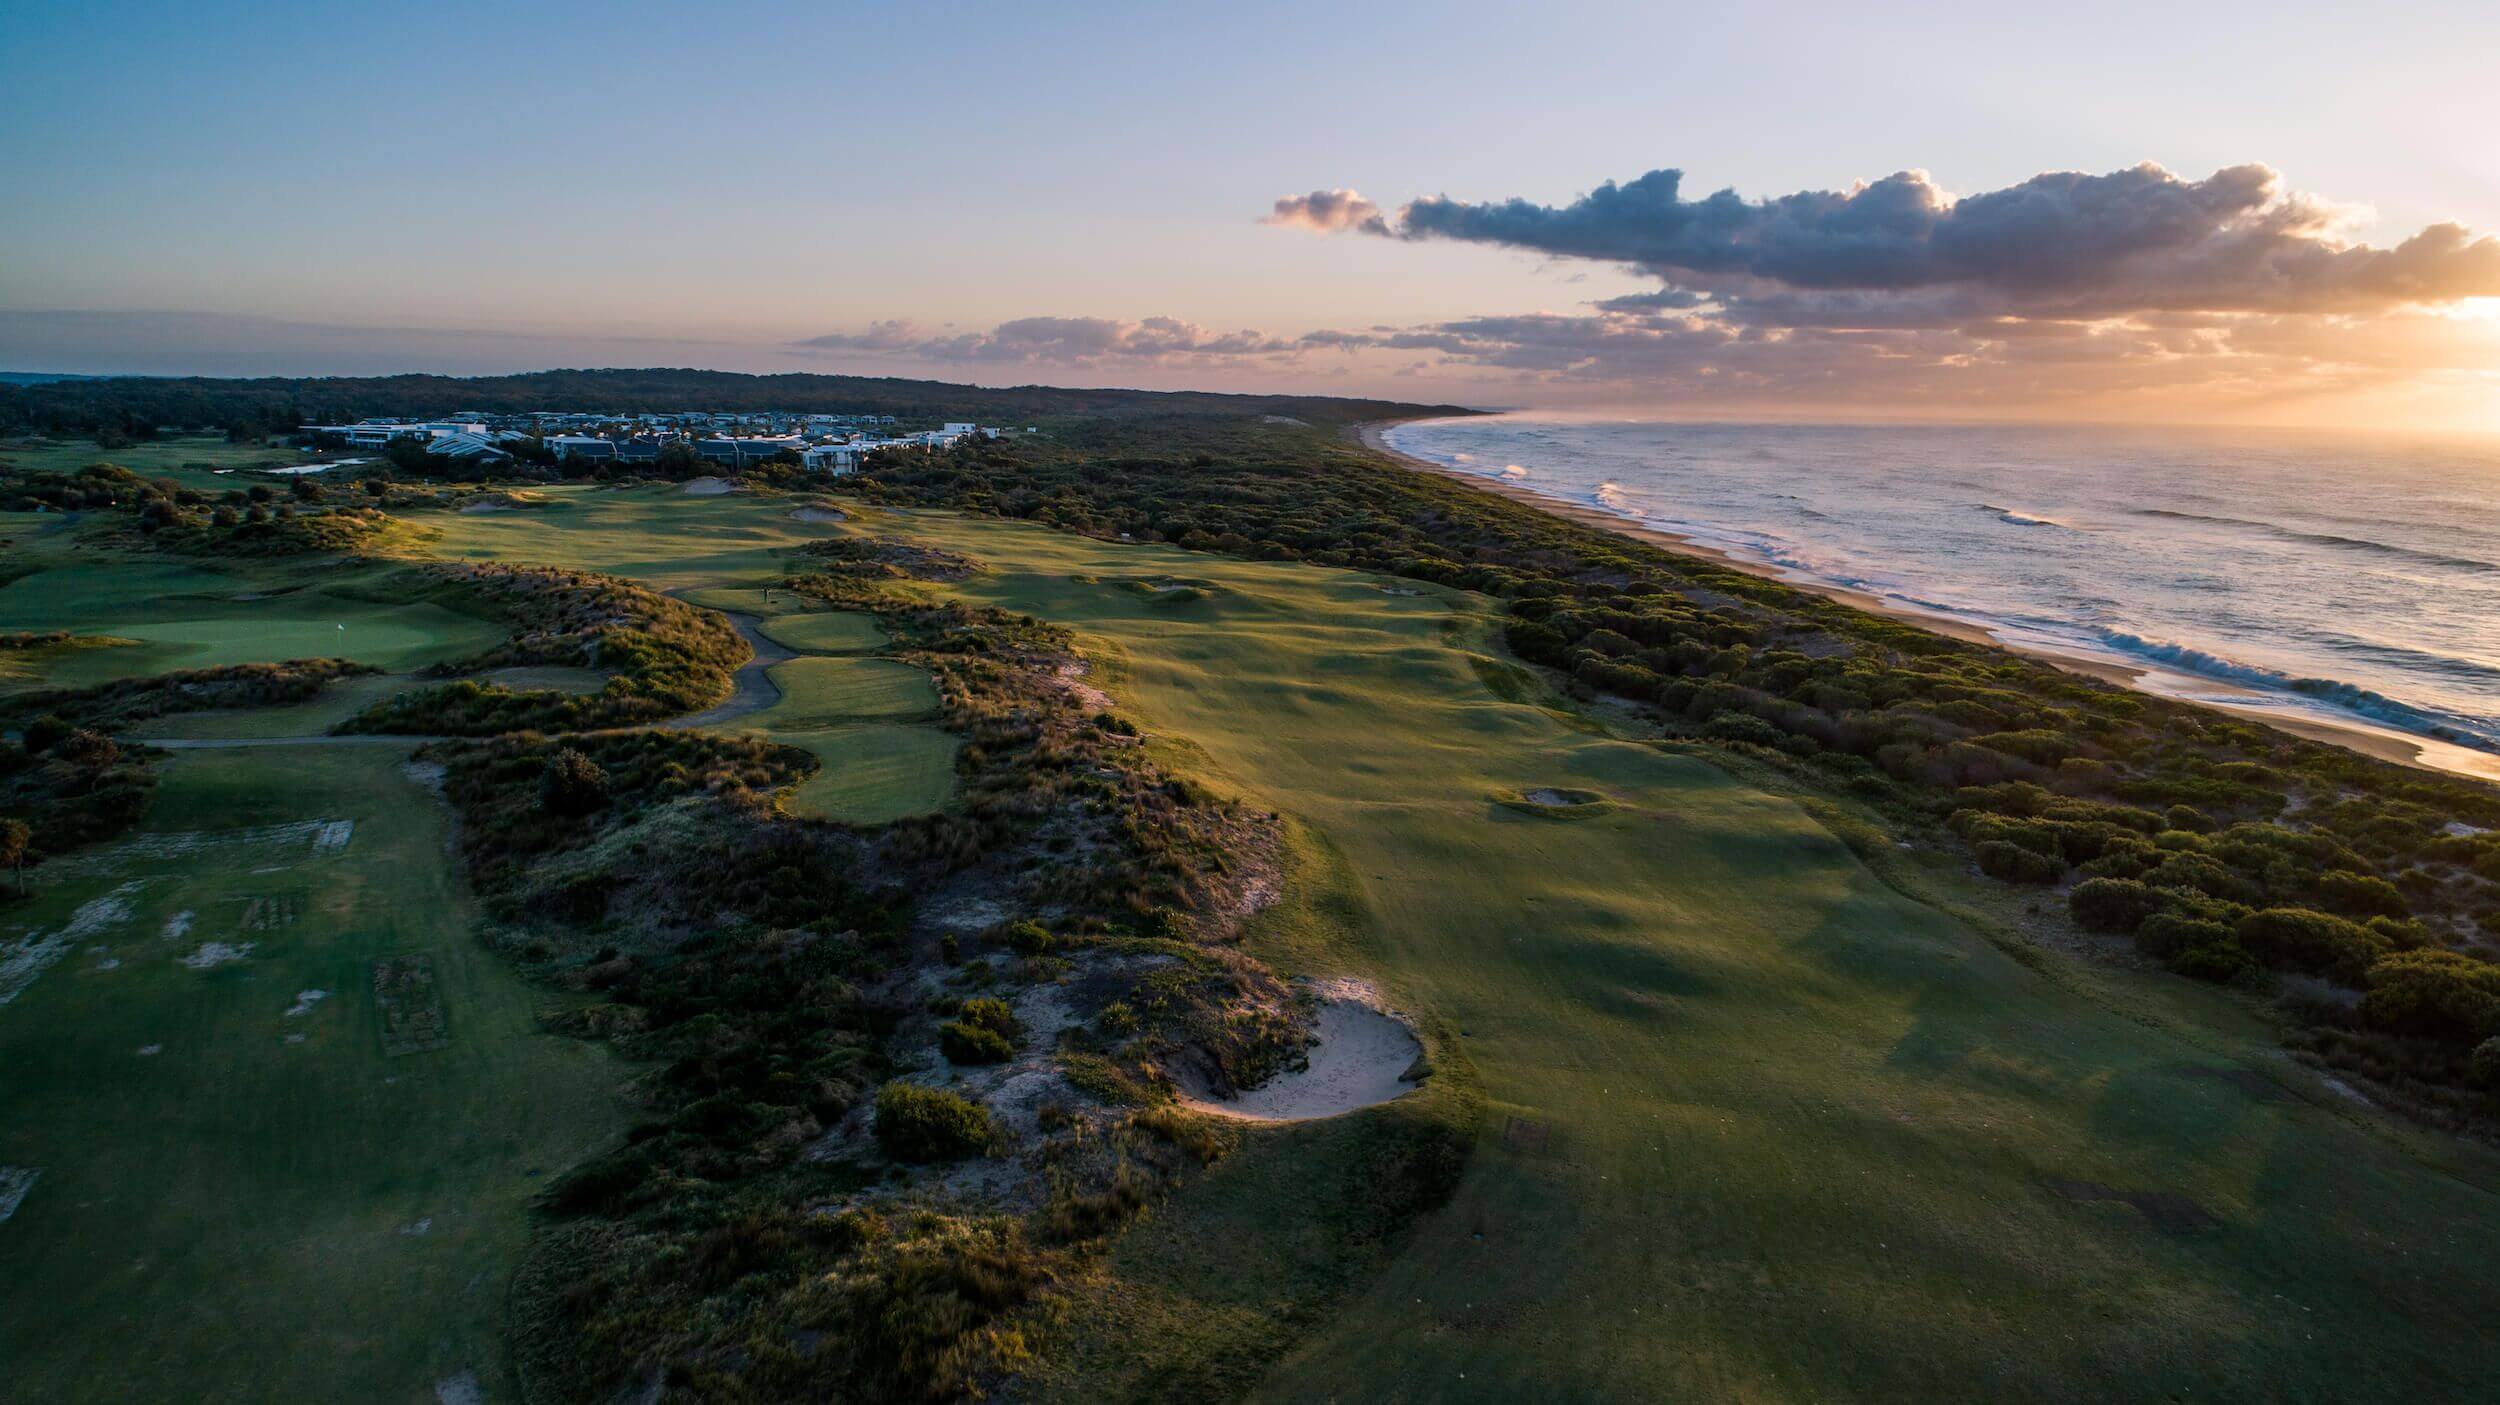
2014,517
2482,734
2329,539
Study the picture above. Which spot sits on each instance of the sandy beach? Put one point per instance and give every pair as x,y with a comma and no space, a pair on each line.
2384,744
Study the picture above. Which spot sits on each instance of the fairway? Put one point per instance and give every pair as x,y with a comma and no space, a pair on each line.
1760,1128
824,692
874,774
243,1195
826,632
183,616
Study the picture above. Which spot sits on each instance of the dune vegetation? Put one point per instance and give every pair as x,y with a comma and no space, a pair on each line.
1801,1018
2264,855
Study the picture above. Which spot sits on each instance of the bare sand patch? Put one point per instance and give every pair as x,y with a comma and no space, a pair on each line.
708,487
15,1181
149,1051
305,1002
214,954
820,514
461,1389
178,926
34,953
1363,1054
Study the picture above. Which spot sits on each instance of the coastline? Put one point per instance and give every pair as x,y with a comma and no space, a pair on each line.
2380,744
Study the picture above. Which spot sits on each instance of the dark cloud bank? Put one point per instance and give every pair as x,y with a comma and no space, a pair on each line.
2061,286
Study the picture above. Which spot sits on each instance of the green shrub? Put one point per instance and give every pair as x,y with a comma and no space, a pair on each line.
2113,904
2312,943
2220,963
2359,895
2165,935
2015,864
1030,938
929,1124
2435,994
974,1044
984,1031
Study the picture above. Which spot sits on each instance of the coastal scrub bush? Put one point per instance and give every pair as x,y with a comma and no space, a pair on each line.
2016,864
929,1124
2165,935
2113,904
984,1031
2435,994
2312,943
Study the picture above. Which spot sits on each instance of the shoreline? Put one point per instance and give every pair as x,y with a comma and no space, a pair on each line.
2377,743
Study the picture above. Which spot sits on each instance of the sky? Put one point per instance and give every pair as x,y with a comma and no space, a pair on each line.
2216,211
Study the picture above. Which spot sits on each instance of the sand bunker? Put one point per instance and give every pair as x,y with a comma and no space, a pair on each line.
708,487
1364,1056
820,514
1555,802
214,954
305,1000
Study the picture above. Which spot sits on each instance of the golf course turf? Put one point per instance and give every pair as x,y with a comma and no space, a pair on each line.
1750,1119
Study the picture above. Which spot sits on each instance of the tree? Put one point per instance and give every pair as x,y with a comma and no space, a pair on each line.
15,838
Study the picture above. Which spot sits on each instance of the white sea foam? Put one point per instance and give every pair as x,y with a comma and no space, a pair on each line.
2333,576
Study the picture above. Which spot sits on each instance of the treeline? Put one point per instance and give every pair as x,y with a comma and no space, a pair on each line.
2228,850
138,406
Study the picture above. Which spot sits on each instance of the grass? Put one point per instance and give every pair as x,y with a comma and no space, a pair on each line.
874,774
1756,1123
162,458
826,632
236,1216
1759,1125
822,692
183,615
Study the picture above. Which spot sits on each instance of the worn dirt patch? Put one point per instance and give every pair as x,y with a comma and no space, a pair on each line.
2246,1080
410,1008
15,1181
212,955
34,953
1362,1055
2166,1210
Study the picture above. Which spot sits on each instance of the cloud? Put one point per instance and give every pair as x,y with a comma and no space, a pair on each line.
1074,341
2063,244
1328,212
2062,288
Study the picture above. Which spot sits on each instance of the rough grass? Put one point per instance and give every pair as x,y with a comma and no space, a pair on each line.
235,1216
1792,1134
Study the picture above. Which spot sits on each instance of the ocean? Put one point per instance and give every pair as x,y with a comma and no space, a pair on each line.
2344,579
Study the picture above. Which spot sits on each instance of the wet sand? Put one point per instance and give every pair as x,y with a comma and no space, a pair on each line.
2369,741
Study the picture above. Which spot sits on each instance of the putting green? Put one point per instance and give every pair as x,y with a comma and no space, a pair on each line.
875,774
242,1196
826,692
826,632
